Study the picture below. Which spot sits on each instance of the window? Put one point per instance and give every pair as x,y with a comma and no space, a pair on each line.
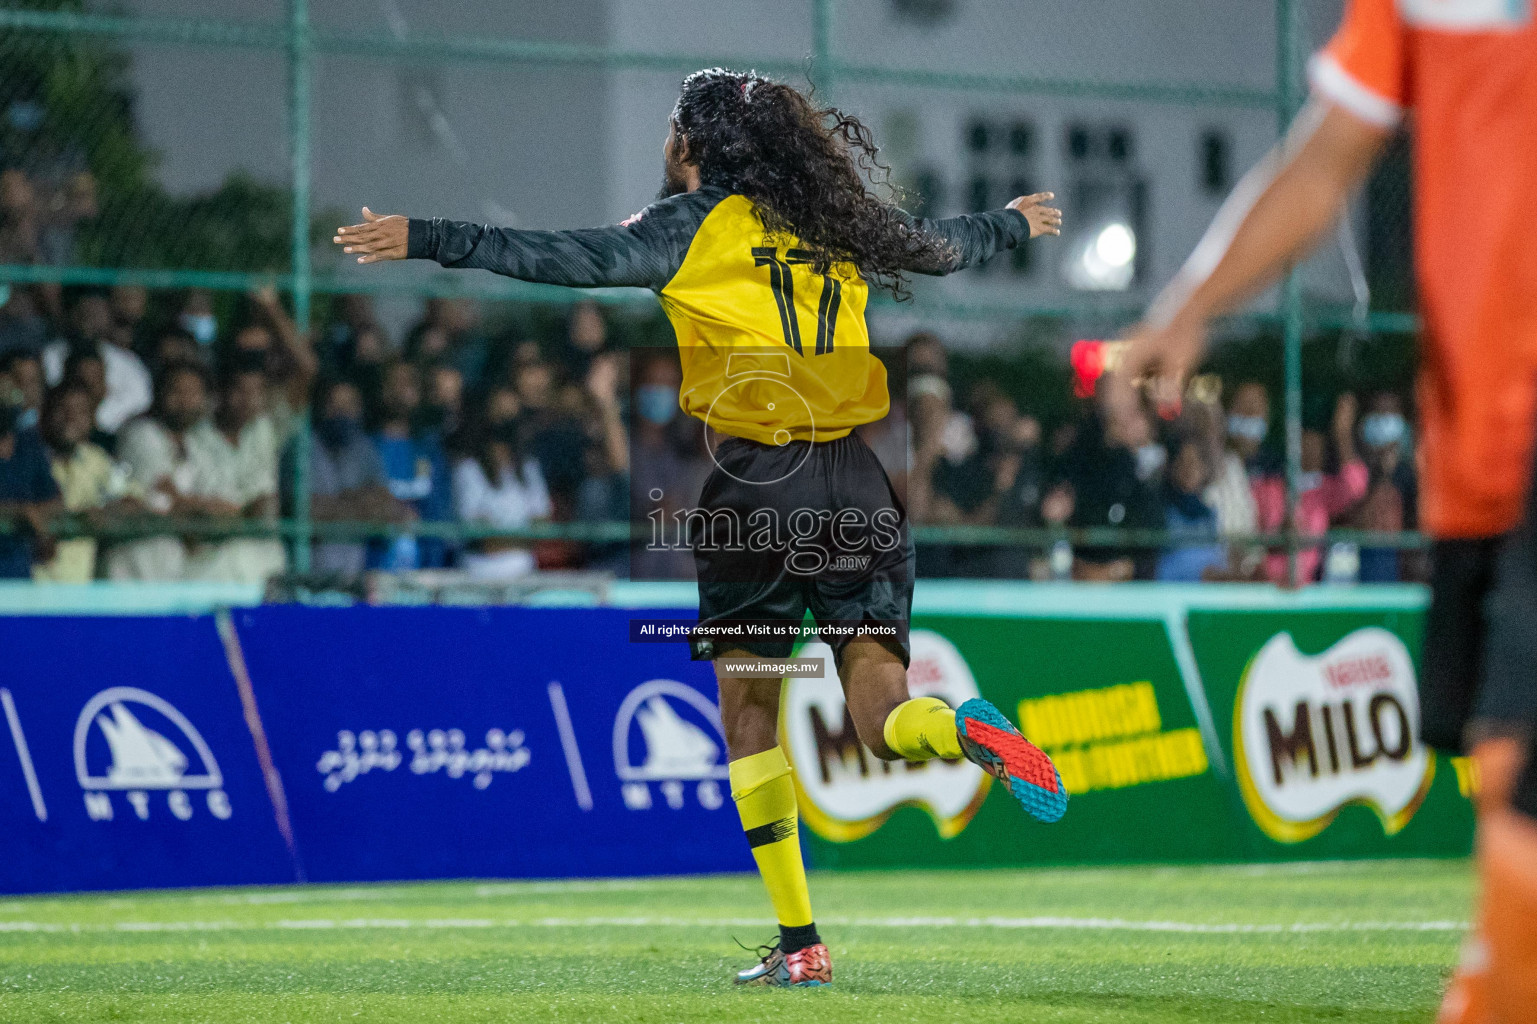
979,136
1216,162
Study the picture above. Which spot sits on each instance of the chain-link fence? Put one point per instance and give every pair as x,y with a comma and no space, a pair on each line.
163,172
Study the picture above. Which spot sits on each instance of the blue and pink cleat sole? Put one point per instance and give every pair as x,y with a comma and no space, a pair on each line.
990,740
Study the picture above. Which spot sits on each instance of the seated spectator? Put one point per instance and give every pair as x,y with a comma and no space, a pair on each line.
442,411
974,490
415,469
353,326
346,477
85,368
1231,491
1102,471
68,204
587,337
90,483
22,323
28,494
195,316
177,476
603,493
20,218
25,371
1392,490
269,341
1188,516
129,387
498,484
129,303
1324,495
236,460
448,333
171,346
669,468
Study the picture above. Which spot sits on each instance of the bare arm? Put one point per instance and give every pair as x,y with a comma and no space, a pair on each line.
1274,216
296,345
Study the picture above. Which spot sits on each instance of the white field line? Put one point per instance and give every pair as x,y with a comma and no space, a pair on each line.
1067,923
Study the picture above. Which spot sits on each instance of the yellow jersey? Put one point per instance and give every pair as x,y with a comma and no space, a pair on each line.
771,350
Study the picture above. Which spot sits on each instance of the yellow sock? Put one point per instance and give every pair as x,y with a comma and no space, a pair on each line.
765,798
923,728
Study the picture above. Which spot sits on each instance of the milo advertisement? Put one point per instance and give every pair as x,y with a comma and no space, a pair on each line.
1181,732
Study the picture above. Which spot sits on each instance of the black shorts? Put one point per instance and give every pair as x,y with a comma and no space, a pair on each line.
1478,676
815,526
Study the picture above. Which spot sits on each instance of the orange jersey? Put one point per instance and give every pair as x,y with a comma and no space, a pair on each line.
1466,72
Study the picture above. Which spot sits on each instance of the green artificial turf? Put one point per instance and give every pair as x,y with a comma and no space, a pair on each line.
1362,942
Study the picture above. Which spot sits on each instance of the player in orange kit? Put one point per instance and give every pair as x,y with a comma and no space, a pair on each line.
1467,70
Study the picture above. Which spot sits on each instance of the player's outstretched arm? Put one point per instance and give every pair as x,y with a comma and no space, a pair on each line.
1275,215
974,237
643,252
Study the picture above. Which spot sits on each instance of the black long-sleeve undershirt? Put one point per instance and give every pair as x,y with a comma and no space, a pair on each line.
646,250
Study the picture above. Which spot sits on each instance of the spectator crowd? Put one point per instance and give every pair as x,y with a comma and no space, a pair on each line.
176,409
1211,475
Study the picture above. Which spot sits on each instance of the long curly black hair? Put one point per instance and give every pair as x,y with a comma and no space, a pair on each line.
805,168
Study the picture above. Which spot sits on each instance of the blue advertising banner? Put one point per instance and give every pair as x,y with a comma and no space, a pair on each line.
505,742
125,760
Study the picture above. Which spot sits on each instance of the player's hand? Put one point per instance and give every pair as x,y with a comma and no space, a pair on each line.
1161,358
1044,220
377,238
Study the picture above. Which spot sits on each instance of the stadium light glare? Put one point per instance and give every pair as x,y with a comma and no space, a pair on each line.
1106,260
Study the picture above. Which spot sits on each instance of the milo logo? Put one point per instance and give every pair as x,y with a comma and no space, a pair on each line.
1313,734
845,791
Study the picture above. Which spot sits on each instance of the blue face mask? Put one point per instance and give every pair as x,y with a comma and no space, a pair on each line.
1249,428
1381,429
202,326
656,403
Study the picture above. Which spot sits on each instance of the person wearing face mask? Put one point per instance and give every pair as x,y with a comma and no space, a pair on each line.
1244,461
669,467
347,479
160,461
197,318
90,483
1325,494
1392,492
28,494
499,484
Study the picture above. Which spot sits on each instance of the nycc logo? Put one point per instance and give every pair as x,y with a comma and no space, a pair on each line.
669,735
1313,734
845,791
130,742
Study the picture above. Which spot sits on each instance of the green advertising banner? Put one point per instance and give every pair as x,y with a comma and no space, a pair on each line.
1188,724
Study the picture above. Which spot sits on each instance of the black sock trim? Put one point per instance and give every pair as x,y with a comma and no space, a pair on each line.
796,938
773,832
